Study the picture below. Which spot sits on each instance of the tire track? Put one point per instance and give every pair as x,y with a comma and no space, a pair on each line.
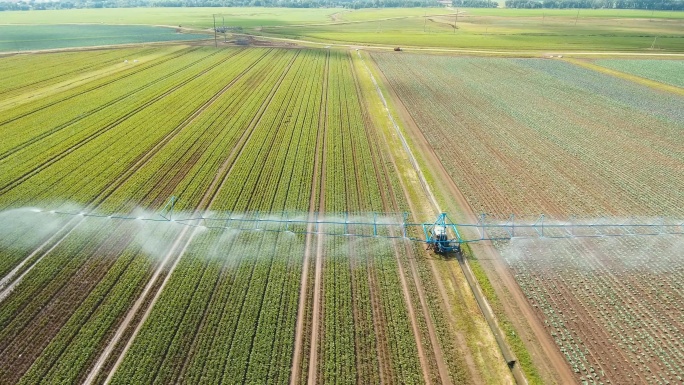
149,155
318,269
479,296
318,160
390,204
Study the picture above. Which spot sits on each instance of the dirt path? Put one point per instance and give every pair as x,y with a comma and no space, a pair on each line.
295,371
548,357
318,271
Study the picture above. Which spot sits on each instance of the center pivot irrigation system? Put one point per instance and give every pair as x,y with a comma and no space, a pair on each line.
442,236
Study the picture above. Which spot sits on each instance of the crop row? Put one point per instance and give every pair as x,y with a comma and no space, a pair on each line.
227,131
136,193
600,313
252,285
28,72
84,175
502,142
666,71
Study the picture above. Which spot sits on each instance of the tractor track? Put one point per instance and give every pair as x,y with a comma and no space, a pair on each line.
318,266
384,355
111,103
390,205
360,351
47,321
124,177
313,203
181,243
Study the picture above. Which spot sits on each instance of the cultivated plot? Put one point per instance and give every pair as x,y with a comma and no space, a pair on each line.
531,136
98,299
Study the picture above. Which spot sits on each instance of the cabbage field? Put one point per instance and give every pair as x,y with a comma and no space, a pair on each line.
531,136
98,299
665,71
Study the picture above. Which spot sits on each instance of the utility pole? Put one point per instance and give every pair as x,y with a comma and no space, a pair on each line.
455,20
215,42
577,17
424,21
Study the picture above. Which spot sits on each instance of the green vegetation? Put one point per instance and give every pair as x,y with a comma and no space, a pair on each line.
473,28
513,338
32,37
196,17
226,131
504,30
514,115
664,71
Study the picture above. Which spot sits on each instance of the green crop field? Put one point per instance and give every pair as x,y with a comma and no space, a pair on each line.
188,17
473,28
40,37
248,213
530,136
102,299
665,71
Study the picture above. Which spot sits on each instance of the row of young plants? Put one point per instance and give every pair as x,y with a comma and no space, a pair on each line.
37,104
135,194
236,316
83,176
505,148
36,147
601,313
26,73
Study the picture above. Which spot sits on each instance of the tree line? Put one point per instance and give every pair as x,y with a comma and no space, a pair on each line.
355,4
26,5
665,5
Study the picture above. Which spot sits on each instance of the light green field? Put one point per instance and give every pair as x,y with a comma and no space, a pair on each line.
543,32
383,13
186,17
665,71
494,29
40,37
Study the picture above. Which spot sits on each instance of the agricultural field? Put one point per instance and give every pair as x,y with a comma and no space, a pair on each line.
499,29
444,28
91,297
531,136
40,37
665,71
